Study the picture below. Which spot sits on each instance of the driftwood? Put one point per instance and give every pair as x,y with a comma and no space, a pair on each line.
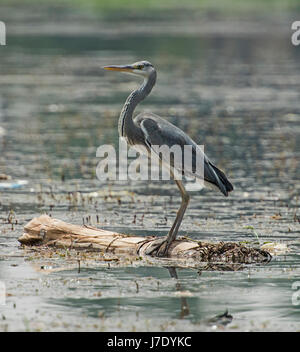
45,230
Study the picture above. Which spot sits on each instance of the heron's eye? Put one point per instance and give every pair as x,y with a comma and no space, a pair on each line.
139,67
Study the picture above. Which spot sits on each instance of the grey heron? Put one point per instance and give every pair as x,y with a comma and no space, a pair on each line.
148,129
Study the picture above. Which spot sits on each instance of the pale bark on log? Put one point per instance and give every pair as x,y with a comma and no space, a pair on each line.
46,230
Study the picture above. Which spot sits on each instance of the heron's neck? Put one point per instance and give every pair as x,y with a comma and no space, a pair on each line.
126,123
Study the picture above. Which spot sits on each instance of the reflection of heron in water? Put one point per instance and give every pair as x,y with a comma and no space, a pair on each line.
185,310
217,321
150,130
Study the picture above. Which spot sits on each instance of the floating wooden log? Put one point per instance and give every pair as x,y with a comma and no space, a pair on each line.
45,230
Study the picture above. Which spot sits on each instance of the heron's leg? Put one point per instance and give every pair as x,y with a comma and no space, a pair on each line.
161,245
185,198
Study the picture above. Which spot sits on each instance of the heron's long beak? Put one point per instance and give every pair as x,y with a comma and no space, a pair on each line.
125,68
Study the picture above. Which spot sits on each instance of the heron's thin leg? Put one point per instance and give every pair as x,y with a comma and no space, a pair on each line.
184,203
175,227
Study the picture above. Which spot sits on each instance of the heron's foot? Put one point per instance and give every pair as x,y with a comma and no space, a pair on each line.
158,248
163,249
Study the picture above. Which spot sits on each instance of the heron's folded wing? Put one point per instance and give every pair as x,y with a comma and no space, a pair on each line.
193,162
158,132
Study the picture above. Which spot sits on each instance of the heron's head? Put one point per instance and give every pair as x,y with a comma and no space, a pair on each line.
140,68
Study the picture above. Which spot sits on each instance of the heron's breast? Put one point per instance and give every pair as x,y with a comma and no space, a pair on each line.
138,146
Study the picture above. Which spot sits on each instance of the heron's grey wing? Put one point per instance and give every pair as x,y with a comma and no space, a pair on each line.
158,132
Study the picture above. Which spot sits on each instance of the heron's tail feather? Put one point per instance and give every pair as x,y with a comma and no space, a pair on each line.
224,184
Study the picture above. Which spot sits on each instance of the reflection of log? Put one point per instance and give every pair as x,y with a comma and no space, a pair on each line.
52,232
